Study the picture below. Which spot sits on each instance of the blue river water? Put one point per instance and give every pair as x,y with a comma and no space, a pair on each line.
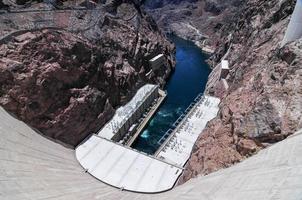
188,80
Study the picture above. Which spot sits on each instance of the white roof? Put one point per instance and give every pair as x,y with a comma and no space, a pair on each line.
124,112
156,57
125,168
178,149
225,64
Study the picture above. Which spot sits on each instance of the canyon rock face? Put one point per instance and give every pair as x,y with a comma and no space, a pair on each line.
195,20
154,4
67,81
3,5
263,103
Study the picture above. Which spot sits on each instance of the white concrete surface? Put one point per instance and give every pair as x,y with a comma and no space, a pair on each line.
128,169
225,84
294,29
157,57
125,112
225,64
125,168
157,61
177,149
224,69
35,168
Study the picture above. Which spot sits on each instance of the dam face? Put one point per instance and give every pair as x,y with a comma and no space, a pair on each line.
35,168
294,29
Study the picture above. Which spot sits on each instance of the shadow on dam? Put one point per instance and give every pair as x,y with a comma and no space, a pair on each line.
188,80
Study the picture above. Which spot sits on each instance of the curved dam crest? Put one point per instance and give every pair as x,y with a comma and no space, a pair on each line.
33,167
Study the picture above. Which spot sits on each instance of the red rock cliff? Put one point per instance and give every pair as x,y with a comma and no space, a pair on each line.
67,84
263,103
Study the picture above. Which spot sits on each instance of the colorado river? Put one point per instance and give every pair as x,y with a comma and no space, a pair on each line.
188,80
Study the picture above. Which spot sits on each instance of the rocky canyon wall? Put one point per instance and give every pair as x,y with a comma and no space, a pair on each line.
263,103
67,81
195,20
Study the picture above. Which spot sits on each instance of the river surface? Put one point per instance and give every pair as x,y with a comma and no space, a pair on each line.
188,80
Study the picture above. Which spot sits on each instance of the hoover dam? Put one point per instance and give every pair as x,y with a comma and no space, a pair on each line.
34,167
104,144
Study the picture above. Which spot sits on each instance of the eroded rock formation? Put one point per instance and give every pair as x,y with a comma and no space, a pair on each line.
195,20
67,84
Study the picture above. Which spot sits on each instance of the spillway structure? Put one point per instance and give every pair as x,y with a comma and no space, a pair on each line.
294,29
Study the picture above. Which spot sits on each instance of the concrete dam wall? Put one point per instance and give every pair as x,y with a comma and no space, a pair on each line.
33,167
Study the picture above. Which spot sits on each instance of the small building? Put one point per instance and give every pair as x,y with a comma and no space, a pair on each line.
224,69
156,62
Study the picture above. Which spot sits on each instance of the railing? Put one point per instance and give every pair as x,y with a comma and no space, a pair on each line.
165,136
199,98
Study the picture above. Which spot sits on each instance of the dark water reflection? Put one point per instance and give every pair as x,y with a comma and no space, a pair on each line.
188,80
